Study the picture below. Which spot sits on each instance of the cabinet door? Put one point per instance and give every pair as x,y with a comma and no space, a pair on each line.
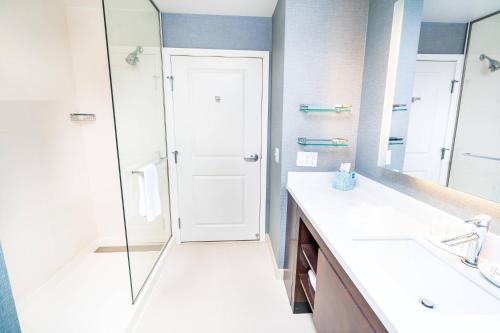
291,243
335,310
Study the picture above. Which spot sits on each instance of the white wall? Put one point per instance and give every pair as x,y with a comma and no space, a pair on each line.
93,95
58,180
44,194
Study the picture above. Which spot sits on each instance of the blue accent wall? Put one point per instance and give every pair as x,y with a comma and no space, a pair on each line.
318,51
217,32
8,315
442,38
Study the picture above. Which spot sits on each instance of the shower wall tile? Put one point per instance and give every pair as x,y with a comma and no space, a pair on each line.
9,322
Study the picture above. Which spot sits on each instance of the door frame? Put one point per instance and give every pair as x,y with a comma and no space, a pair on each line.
454,104
171,143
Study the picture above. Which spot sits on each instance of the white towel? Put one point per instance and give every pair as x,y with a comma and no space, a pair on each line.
312,279
149,193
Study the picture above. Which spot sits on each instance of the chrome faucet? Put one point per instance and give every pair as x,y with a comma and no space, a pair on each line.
474,239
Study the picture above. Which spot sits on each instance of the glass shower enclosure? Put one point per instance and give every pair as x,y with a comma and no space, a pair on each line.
134,41
476,153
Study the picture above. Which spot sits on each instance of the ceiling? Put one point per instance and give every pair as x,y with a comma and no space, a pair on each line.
219,7
459,11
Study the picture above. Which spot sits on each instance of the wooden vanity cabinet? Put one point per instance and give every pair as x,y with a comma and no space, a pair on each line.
336,304
335,310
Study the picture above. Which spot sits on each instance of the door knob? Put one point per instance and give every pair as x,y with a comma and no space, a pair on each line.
251,158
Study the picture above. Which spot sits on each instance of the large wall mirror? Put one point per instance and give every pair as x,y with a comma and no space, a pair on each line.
442,112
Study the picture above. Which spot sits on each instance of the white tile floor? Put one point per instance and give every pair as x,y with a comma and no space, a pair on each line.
217,288
93,296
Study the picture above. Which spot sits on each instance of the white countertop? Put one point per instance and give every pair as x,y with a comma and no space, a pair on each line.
374,211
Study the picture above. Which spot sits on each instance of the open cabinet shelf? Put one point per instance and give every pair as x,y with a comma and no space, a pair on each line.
308,289
307,260
310,253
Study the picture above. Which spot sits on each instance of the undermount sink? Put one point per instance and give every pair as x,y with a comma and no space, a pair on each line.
413,273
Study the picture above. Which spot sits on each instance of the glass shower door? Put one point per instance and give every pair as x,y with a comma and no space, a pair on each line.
133,33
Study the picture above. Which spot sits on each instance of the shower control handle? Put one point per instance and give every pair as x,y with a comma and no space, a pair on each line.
251,158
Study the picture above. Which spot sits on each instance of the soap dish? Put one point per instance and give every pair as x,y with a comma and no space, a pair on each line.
491,272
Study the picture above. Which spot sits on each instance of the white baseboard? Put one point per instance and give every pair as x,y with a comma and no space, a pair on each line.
278,272
142,300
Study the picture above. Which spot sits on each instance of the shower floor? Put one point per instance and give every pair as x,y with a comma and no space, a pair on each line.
91,296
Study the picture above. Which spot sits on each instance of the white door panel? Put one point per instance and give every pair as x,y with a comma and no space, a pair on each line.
217,119
429,117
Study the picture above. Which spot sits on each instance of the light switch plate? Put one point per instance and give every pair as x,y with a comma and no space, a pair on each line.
307,159
277,155
388,157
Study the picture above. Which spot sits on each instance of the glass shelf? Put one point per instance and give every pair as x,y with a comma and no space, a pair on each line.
395,141
335,142
319,108
399,108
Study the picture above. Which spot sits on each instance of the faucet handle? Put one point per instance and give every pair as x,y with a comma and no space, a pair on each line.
480,221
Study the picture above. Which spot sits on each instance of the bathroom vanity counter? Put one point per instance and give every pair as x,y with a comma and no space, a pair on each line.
377,236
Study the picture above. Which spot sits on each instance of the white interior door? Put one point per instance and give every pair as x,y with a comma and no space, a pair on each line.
217,108
429,121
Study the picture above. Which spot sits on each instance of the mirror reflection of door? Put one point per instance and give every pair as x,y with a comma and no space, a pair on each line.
432,117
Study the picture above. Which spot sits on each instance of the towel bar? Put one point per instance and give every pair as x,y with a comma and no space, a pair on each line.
157,162
482,156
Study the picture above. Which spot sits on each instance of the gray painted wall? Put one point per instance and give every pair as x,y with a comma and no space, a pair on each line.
442,38
410,35
275,182
217,32
372,101
322,42
8,316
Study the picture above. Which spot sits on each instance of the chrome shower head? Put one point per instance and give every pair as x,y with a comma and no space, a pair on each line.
494,64
133,57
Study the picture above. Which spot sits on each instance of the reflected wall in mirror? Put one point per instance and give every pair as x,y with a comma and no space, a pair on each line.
134,48
442,121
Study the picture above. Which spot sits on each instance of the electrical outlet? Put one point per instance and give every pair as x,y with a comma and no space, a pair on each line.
307,159
277,155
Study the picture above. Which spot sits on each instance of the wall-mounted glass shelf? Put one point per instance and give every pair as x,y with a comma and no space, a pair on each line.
339,108
395,141
399,108
334,142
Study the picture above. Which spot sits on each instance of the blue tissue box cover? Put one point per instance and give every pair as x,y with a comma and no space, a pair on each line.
344,181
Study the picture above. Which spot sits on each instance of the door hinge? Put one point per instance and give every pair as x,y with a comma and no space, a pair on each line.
179,223
443,152
171,79
453,83
176,153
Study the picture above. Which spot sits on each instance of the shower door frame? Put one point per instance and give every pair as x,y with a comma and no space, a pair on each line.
168,242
